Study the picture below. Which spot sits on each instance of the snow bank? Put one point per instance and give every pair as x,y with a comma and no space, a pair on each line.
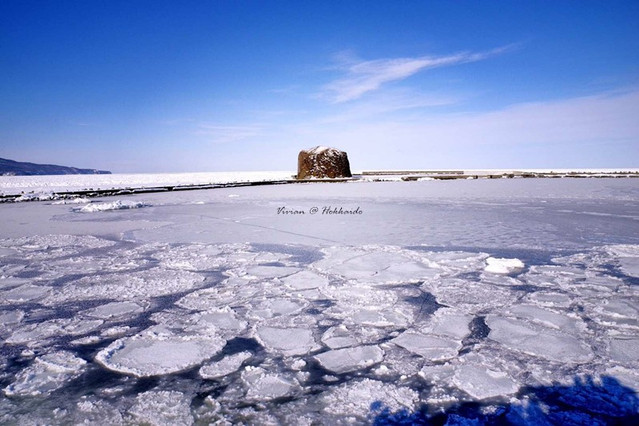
503,266
115,205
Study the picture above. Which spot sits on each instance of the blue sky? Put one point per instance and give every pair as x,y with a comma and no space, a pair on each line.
177,86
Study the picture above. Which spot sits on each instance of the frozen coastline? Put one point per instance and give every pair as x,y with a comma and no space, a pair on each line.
204,306
43,188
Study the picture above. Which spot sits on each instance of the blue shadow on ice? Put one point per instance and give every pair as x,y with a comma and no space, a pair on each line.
584,403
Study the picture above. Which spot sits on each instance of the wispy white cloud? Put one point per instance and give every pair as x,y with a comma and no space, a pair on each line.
366,76
593,131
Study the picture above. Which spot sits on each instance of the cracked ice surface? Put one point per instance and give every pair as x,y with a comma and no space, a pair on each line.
114,328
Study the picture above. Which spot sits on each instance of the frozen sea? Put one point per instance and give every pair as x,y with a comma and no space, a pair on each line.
444,302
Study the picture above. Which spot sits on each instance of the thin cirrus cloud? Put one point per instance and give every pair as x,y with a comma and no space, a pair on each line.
367,76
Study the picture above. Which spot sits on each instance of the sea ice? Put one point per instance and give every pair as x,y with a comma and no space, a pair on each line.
481,382
373,267
305,280
40,334
288,341
449,322
469,296
234,291
224,319
539,341
47,373
548,318
357,397
25,293
115,205
396,314
157,352
503,266
350,359
225,366
263,386
550,299
339,337
193,257
379,317
161,408
625,351
276,307
114,310
433,348
11,317
628,255
262,271
75,200
350,297
126,287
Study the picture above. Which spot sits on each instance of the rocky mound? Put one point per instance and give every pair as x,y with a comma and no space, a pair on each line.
322,162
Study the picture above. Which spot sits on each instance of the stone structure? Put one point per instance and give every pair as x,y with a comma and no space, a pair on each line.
322,162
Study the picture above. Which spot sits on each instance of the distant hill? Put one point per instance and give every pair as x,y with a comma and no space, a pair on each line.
18,168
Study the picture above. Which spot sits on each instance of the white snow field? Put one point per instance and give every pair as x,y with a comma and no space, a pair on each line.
38,187
456,302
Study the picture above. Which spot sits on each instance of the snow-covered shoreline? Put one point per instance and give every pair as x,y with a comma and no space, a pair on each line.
68,183
43,188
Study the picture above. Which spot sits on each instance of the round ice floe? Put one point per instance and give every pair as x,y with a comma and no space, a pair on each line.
339,337
288,341
232,291
5,251
430,347
356,398
471,297
628,258
194,257
374,267
153,354
448,322
222,318
47,373
132,286
114,310
625,351
503,266
480,382
161,408
550,299
350,359
276,307
262,271
305,280
225,366
379,317
25,293
263,386
617,309
38,334
9,282
11,317
360,296
538,341
546,318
